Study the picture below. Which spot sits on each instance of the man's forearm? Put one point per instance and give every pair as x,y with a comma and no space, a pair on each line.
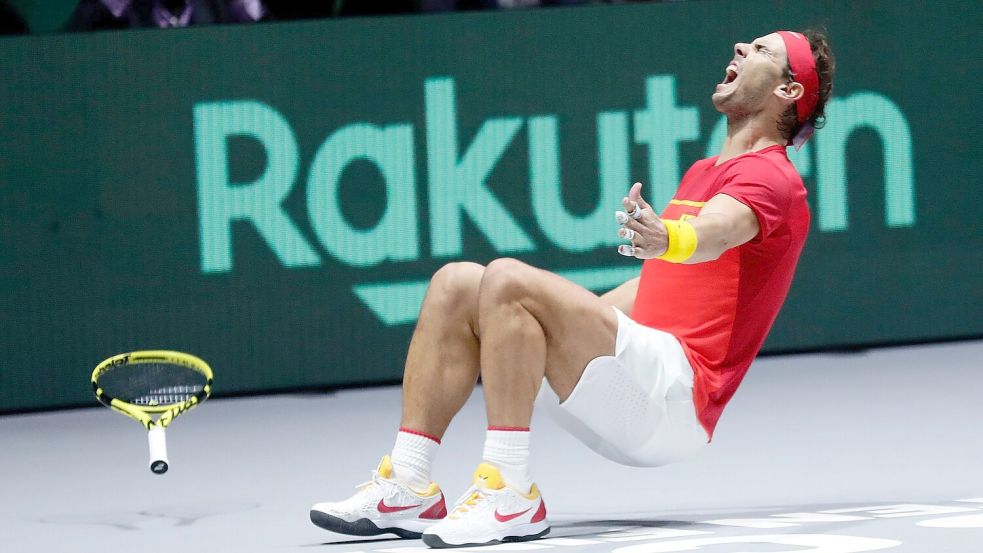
715,233
723,223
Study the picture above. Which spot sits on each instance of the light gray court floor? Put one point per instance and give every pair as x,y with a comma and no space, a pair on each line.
830,453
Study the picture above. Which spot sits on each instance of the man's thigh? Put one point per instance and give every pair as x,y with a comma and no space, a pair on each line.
579,326
637,407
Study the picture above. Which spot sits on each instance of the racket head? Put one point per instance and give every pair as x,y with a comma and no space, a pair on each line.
142,383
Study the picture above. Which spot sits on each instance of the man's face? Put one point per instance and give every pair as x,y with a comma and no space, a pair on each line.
752,76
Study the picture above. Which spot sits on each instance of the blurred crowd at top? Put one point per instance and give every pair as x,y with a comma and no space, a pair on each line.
32,16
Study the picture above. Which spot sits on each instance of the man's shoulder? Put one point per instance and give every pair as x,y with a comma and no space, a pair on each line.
699,168
705,162
772,158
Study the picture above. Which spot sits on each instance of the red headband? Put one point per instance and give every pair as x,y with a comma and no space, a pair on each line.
803,67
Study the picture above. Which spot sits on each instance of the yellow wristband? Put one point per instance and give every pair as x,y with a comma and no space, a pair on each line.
682,241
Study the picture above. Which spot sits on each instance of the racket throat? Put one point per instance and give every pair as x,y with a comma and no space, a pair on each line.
158,450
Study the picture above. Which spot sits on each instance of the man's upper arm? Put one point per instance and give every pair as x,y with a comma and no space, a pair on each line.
764,188
741,223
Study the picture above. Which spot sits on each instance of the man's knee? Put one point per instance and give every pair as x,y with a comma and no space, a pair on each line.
504,280
456,284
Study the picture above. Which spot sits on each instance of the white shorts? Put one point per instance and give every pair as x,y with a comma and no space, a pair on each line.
636,407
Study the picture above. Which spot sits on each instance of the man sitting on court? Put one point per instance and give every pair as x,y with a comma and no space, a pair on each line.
640,374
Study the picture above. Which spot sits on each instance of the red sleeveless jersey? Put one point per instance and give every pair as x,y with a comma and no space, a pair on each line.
721,311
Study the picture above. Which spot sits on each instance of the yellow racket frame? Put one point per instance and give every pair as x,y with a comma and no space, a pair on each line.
142,413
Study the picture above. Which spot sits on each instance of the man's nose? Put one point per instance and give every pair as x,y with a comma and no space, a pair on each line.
741,49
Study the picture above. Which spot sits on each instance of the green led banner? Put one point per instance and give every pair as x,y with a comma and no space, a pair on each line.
274,198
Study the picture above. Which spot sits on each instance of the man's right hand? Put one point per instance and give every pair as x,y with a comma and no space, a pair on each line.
641,226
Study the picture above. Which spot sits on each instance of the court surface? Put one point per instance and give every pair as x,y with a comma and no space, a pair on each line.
833,453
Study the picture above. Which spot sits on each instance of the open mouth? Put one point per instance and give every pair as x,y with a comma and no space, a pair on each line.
730,75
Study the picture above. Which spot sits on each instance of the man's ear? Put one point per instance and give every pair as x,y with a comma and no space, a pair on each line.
790,91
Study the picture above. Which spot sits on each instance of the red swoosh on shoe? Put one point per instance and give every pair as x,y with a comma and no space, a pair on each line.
383,508
505,518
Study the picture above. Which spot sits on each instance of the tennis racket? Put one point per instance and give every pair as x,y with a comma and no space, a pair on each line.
140,384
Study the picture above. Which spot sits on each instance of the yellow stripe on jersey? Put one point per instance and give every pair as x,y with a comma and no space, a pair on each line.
690,203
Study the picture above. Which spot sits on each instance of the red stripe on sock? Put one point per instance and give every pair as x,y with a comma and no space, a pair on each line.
418,433
509,428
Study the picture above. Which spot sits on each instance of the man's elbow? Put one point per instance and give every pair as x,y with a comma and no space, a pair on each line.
709,252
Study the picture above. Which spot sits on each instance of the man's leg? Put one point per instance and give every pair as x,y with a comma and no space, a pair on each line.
442,364
441,371
531,324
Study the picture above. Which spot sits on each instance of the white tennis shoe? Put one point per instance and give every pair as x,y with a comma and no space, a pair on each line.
382,505
490,512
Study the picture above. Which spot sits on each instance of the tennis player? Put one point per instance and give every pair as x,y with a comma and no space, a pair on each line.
640,374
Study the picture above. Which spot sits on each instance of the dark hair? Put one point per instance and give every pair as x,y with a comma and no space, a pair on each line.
825,67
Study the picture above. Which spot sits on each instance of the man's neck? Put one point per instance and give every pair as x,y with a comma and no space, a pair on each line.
749,135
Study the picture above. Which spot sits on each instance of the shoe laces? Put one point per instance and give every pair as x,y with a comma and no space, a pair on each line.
470,500
377,480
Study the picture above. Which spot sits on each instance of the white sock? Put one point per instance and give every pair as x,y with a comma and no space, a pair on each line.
412,458
508,450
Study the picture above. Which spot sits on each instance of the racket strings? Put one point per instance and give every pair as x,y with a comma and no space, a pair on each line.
153,383
168,395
